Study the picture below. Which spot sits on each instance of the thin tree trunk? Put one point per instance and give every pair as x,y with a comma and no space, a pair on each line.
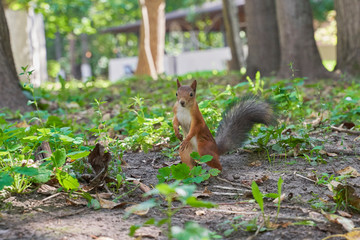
11,95
85,65
58,50
348,36
263,38
72,54
152,38
299,54
232,28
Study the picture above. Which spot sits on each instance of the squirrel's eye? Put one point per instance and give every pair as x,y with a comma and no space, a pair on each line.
176,94
191,94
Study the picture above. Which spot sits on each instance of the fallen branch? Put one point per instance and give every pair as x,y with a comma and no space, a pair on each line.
52,196
298,175
234,184
345,130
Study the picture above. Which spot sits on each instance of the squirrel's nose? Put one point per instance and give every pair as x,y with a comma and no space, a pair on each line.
182,103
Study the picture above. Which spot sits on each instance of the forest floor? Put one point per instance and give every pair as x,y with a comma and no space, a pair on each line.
55,216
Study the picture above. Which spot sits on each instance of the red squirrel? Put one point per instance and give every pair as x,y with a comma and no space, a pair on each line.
231,133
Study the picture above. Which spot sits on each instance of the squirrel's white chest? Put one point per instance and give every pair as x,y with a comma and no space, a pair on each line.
184,117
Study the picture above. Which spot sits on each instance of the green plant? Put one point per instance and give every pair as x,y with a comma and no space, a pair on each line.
258,196
236,225
182,193
182,172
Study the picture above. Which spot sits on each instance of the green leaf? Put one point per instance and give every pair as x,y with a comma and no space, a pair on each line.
94,203
206,158
279,184
133,229
162,222
195,155
165,189
66,139
180,171
184,191
150,221
258,196
193,202
78,154
5,180
192,231
43,175
28,171
141,207
59,157
271,195
67,181
214,172
305,223
164,174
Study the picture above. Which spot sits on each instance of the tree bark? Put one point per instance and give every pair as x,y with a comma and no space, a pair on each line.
299,54
263,38
152,38
85,65
58,46
232,29
72,55
348,36
11,95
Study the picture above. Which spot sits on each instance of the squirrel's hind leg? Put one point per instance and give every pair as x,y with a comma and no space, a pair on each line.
215,162
185,155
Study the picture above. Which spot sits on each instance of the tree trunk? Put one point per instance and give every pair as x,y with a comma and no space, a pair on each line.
11,95
58,46
232,28
299,54
348,36
152,38
263,38
85,65
72,55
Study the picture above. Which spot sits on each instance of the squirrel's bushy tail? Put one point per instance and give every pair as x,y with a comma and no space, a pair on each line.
239,119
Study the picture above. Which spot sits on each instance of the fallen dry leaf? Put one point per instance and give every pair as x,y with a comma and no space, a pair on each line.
347,192
99,159
344,214
205,193
347,224
151,232
142,186
137,212
200,212
349,171
43,151
353,235
107,204
282,197
256,163
22,124
331,154
46,189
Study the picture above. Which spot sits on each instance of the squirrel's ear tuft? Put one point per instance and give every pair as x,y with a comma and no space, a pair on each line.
178,83
193,85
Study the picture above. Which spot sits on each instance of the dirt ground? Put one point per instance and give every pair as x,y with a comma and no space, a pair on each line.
35,216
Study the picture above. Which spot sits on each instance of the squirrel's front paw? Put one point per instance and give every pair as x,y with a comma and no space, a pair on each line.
184,145
179,136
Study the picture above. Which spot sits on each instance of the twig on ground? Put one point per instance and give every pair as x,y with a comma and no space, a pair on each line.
299,219
345,130
227,188
298,175
52,196
234,184
124,194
